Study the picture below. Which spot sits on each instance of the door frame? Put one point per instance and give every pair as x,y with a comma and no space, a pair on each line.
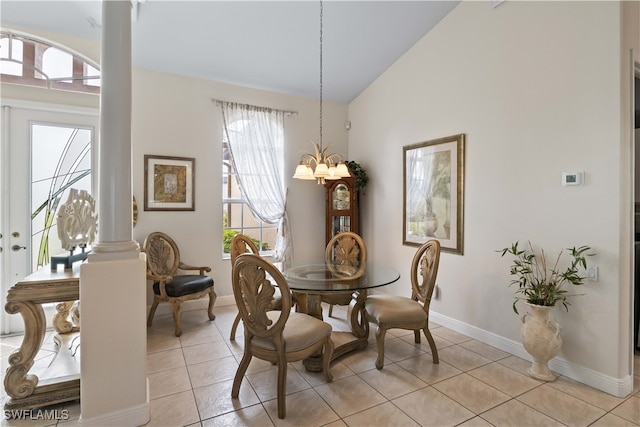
635,74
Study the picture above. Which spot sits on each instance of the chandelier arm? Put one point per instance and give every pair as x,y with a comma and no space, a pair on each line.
334,158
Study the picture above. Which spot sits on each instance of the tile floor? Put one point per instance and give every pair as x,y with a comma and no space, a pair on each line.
190,382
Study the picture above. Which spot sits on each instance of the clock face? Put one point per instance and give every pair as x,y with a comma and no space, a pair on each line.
341,197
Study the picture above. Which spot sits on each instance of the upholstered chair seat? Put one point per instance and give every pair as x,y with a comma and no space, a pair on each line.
185,284
300,332
395,310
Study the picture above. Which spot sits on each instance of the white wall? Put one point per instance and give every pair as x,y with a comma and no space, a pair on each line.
175,116
535,86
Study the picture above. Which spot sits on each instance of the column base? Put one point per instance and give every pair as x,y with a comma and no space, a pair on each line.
113,251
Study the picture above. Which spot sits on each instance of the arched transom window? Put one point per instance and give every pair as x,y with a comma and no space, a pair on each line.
25,60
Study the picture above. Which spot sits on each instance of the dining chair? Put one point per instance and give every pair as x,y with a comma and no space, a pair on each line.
277,336
398,312
163,263
241,244
345,251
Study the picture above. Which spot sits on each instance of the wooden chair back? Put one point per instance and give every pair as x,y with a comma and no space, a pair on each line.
345,253
346,248
163,255
253,292
241,244
424,270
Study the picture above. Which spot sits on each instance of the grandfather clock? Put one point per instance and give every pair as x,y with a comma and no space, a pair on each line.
342,207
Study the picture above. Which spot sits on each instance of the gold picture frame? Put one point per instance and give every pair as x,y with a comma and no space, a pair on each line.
169,183
433,193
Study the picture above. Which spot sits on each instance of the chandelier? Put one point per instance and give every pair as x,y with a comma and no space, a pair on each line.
321,166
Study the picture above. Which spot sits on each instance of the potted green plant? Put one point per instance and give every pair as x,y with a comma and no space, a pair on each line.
537,283
360,174
543,286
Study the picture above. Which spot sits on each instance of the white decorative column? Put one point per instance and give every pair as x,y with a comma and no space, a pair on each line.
113,333
115,202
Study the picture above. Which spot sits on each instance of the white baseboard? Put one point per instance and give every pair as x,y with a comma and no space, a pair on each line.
619,387
134,416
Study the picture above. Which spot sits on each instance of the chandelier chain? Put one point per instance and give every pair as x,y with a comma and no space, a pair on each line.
328,166
321,14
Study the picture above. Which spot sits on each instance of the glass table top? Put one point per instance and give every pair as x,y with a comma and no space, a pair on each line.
322,277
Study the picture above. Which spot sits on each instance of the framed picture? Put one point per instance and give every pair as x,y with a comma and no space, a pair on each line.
169,183
433,190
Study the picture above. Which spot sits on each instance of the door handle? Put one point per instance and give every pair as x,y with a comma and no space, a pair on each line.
16,248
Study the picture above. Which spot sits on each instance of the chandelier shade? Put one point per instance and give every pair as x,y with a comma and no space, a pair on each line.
321,166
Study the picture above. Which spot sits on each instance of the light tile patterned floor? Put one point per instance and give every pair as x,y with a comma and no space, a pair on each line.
190,382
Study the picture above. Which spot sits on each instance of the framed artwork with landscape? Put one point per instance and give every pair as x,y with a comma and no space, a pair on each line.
433,190
169,183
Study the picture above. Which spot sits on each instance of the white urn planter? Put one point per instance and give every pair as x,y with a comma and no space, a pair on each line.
541,338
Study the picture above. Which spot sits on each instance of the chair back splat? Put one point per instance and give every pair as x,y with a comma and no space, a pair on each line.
277,336
345,251
163,264
241,244
424,270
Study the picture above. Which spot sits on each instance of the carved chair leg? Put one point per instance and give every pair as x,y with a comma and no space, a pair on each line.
212,301
242,369
152,311
234,327
432,344
327,354
380,333
282,386
177,316
416,334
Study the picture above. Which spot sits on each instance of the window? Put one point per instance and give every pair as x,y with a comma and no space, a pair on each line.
51,181
236,216
253,196
24,60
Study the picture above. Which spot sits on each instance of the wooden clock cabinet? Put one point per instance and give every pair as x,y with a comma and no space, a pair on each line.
342,207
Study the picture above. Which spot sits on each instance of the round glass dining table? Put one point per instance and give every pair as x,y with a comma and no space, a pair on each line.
309,281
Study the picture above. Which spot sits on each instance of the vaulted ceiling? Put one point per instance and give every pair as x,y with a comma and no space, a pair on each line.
272,45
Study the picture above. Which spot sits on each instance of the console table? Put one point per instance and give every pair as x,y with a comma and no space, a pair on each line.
61,381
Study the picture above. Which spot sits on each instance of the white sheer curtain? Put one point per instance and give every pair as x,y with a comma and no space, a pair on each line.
256,142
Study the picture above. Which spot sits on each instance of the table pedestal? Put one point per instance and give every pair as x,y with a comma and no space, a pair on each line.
344,342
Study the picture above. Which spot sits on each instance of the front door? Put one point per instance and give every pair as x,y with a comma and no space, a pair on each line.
44,154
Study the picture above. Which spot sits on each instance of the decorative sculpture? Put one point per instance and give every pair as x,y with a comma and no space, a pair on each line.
77,226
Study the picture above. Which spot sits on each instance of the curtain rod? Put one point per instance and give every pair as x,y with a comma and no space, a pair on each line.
286,112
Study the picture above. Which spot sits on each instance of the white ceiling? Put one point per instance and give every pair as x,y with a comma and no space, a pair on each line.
271,45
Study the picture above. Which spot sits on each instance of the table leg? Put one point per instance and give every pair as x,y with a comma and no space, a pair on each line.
61,321
18,383
313,306
357,315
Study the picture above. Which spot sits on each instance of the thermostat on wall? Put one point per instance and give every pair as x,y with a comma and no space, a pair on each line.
572,178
